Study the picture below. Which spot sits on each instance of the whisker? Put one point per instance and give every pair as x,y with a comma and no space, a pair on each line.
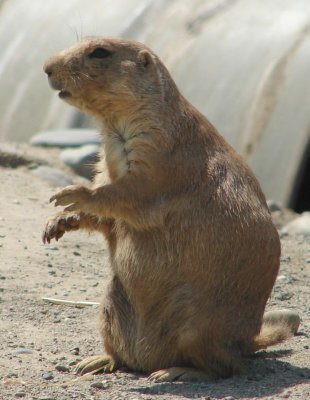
73,79
86,76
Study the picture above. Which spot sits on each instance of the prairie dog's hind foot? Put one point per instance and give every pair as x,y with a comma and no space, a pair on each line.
96,364
60,223
179,374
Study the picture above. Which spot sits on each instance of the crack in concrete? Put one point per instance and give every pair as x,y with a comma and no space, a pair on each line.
267,96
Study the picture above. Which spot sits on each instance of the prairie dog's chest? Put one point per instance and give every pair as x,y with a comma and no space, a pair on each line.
117,149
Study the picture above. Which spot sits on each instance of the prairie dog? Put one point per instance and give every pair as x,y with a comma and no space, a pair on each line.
193,250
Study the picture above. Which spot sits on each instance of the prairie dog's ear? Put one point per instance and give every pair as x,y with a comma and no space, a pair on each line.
148,61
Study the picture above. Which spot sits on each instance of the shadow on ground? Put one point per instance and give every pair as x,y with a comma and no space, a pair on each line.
265,375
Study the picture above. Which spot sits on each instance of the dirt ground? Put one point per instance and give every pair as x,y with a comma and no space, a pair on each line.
40,342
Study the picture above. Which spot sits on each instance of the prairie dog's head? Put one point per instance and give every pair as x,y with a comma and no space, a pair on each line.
101,74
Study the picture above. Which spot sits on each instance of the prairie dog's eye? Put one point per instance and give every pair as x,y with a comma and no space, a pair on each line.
99,52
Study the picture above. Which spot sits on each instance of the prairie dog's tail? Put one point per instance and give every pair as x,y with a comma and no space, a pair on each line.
277,326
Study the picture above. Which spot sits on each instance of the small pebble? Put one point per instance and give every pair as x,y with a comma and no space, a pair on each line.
47,376
62,368
20,394
229,398
284,296
75,351
76,253
99,385
281,278
22,350
52,248
274,206
283,234
46,398
12,375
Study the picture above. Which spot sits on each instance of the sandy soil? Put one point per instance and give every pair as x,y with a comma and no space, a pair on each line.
38,338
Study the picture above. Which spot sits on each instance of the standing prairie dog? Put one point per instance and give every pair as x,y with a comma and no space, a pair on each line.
193,250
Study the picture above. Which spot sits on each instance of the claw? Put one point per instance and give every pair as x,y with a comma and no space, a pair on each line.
56,226
178,374
96,364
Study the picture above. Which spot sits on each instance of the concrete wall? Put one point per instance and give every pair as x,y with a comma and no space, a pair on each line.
244,64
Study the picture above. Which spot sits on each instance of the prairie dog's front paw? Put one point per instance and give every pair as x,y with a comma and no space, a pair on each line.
75,197
60,223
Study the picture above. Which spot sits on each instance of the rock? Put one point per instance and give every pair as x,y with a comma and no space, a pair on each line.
75,351
47,398
11,157
273,206
53,175
66,138
99,385
289,317
281,278
284,296
299,226
82,159
22,350
20,393
47,376
285,279
62,368
12,375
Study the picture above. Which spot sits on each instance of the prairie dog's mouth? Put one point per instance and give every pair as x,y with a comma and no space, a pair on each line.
64,94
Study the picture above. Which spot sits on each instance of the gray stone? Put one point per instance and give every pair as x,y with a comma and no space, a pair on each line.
54,176
66,138
75,351
273,205
12,375
288,317
99,385
46,398
22,350
62,368
299,226
82,159
20,393
47,376
284,296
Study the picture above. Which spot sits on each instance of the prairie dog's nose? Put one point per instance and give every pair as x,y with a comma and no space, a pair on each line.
48,69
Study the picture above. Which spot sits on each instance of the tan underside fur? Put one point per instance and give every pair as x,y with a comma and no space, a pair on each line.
193,251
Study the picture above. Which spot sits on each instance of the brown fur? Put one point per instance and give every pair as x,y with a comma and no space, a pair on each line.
193,251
